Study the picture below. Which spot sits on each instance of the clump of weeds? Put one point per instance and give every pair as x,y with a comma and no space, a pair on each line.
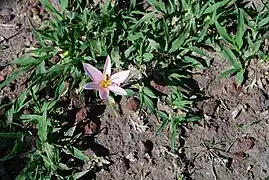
163,42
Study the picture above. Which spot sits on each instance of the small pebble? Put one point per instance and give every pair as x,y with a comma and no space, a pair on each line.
249,167
35,11
2,78
264,81
131,157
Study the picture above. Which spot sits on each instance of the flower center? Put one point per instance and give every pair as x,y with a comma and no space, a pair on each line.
106,82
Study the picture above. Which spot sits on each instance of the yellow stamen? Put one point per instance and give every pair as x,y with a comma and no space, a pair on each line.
106,82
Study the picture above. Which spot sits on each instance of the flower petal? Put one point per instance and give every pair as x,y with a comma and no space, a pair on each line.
94,73
107,67
119,77
118,90
92,85
103,93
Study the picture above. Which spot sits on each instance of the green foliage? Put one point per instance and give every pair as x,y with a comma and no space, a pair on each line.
245,44
163,44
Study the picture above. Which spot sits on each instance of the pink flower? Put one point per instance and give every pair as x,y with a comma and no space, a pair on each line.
105,82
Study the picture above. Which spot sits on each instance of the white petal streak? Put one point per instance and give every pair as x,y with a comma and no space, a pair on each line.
92,85
94,73
119,77
103,93
117,90
107,67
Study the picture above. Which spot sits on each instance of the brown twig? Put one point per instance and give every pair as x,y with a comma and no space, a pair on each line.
213,169
228,149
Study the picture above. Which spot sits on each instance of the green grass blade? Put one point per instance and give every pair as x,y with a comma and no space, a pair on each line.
159,5
64,4
14,76
174,130
149,93
30,61
223,33
240,29
194,62
145,18
11,135
214,7
263,22
165,120
179,103
16,149
43,50
227,73
60,89
80,174
77,153
30,118
54,72
166,33
154,45
43,128
239,77
132,4
198,51
147,57
20,102
51,9
7,105
25,61
9,115
177,43
148,103
230,56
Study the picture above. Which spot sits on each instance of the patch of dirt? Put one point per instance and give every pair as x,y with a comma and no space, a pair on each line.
15,37
135,152
231,141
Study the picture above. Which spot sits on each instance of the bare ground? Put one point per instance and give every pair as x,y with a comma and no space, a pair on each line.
230,142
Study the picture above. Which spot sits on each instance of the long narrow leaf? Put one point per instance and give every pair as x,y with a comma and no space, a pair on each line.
64,4
43,128
11,135
20,102
52,9
80,174
240,29
223,33
214,7
165,121
230,56
159,5
239,77
177,43
76,153
11,78
16,149
145,18
263,22
227,73
148,103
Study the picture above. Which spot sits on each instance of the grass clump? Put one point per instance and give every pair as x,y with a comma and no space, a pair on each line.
162,41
